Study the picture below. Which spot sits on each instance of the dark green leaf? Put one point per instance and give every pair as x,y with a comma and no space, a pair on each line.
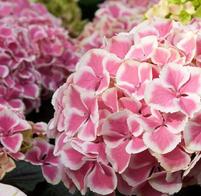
25,176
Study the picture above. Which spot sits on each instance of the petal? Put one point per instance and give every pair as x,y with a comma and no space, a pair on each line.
135,145
71,158
23,125
175,76
8,120
4,71
134,125
192,136
112,64
86,79
160,56
161,140
141,160
13,142
130,104
33,156
160,183
176,121
79,177
144,49
190,104
88,131
188,45
134,177
123,186
118,157
110,99
161,97
31,90
73,98
120,45
147,190
52,174
128,73
102,179
74,119
175,160
194,83
115,128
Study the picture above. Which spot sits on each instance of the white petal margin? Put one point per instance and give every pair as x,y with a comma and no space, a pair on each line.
8,190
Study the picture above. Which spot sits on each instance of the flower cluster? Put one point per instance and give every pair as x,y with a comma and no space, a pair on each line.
18,138
36,53
111,18
12,127
129,117
180,10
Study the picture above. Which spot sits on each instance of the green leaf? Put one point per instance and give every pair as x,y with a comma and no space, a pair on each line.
198,12
25,176
184,16
56,190
177,1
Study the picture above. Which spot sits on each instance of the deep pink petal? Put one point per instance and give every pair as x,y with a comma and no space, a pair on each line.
175,160
134,177
52,173
71,158
13,142
160,183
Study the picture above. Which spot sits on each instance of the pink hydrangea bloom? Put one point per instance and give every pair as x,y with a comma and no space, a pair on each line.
130,114
111,18
41,153
36,54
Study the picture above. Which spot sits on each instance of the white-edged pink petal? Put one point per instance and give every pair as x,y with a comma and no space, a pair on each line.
71,158
52,173
135,145
13,142
102,179
118,157
161,140
160,183
160,97
192,136
174,76
175,160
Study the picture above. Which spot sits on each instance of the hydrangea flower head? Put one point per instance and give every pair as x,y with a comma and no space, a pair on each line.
130,114
111,18
36,54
